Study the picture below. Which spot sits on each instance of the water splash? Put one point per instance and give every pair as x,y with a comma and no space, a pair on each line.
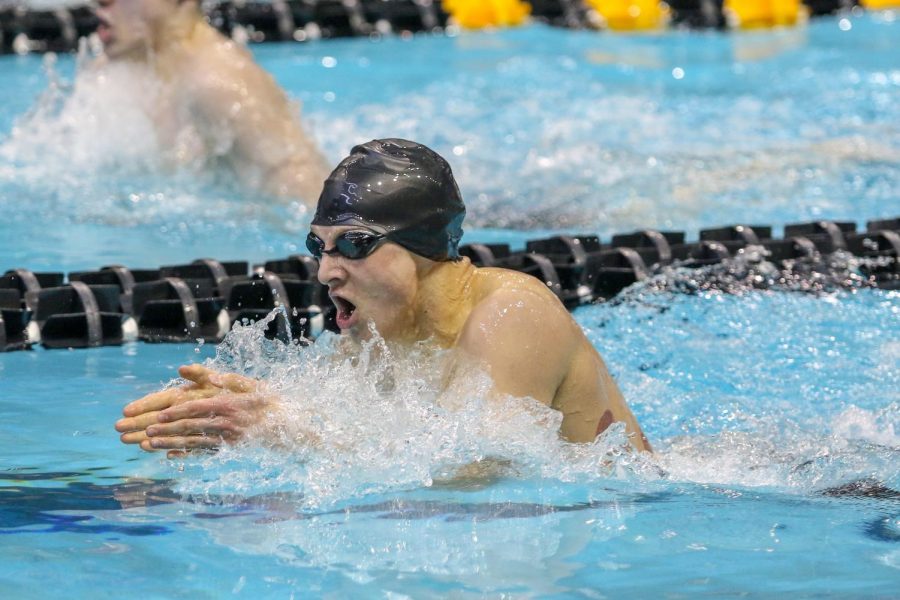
100,121
784,455
750,271
90,151
383,424
378,419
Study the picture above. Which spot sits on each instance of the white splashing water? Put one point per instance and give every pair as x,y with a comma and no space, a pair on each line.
794,392
382,423
89,150
858,444
100,122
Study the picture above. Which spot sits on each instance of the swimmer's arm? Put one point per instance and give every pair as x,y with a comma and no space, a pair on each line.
475,475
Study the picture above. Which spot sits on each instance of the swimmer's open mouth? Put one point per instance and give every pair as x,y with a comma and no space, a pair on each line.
345,309
104,29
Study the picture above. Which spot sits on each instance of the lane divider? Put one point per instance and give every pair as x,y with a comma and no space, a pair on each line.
202,300
23,30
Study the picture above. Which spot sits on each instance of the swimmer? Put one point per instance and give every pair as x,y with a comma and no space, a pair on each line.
386,231
215,103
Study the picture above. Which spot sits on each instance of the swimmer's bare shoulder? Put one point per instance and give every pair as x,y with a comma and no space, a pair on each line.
521,331
228,91
535,348
218,70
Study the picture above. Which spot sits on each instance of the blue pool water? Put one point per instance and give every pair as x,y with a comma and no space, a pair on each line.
760,404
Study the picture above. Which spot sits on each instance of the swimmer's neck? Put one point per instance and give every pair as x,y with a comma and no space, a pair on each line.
444,300
181,32
169,39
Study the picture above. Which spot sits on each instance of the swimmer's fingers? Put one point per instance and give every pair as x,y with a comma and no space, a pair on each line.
158,401
181,443
196,373
139,423
170,454
240,408
234,382
215,427
134,437
192,409
151,402
203,376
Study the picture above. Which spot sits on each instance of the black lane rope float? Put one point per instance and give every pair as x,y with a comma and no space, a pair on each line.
200,301
23,30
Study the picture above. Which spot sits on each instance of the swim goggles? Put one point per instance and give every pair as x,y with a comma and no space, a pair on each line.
353,244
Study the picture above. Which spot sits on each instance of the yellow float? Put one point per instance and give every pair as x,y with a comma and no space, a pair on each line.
880,4
477,14
631,15
756,14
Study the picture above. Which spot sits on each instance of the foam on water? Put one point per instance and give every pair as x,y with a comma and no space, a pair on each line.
381,420
98,122
750,270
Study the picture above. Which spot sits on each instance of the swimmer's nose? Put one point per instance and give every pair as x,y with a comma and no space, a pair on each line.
331,273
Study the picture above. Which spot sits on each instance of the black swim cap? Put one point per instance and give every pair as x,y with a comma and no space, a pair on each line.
399,188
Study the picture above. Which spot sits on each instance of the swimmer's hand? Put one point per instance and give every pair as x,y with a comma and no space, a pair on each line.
210,410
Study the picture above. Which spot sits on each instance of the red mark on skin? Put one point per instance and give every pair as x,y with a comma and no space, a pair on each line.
605,421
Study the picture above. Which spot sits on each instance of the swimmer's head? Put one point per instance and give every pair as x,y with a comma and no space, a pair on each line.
130,28
400,189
